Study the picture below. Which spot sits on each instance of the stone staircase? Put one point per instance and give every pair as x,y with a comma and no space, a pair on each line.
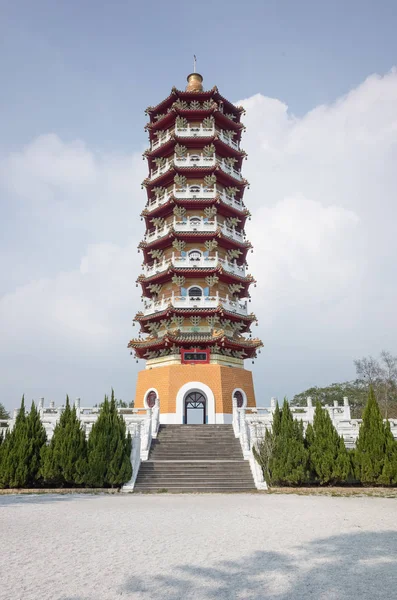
195,458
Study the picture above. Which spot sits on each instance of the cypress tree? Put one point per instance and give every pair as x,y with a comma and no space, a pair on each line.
309,439
372,443
389,471
64,460
109,448
263,454
36,440
22,449
289,463
10,450
2,437
328,455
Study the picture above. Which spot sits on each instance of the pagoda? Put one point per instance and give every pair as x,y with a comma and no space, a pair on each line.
195,322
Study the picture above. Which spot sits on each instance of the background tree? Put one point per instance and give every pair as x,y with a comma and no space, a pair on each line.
4,414
109,448
356,391
380,372
375,446
329,459
64,460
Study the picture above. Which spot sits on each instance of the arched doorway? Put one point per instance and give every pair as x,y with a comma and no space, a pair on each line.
195,408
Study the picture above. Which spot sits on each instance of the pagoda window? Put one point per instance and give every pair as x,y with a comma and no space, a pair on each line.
194,189
240,398
195,255
195,221
194,157
195,292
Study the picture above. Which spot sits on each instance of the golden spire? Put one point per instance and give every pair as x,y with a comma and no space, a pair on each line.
194,80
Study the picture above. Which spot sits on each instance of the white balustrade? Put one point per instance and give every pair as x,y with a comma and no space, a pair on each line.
163,139
238,204
195,224
161,170
194,191
236,306
156,267
158,201
201,262
195,160
157,233
230,170
233,233
228,140
233,267
194,131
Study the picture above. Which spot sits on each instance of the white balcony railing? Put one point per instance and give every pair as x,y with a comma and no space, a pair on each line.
236,203
228,140
191,131
195,224
165,167
236,306
191,224
194,131
163,139
156,233
194,191
158,201
233,233
197,191
230,170
200,262
195,160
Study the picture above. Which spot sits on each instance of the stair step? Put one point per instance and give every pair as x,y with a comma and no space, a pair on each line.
195,458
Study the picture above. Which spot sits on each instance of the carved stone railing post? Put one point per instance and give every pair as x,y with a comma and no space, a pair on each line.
77,407
256,469
146,437
135,431
244,433
346,409
155,418
236,420
310,409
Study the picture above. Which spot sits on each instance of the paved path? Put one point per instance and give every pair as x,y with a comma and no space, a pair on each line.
197,546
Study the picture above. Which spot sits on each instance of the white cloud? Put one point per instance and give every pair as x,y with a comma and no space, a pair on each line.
322,197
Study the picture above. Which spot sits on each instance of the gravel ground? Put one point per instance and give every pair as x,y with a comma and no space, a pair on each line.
197,546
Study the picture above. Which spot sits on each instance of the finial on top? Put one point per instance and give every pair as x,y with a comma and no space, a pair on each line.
194,80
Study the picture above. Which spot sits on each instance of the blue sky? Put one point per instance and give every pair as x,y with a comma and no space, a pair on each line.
318,83
88,69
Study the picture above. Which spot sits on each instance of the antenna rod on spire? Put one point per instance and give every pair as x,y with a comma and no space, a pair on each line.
194,63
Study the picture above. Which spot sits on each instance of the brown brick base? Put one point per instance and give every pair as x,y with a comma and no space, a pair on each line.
168,380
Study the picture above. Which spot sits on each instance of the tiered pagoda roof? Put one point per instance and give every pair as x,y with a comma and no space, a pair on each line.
194,281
